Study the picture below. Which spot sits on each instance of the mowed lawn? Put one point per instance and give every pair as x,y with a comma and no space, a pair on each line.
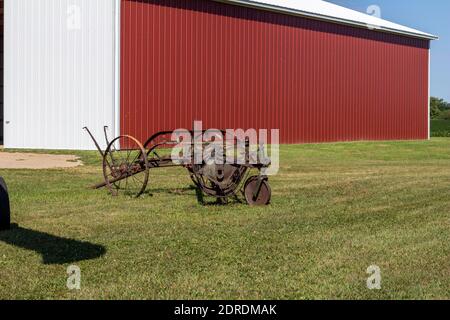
336,210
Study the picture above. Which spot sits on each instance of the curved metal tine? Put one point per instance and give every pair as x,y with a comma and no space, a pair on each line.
156,154
153,139
161,140
105,128
154,147
95,141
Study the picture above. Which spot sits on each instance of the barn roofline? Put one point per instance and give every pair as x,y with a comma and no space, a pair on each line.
347,18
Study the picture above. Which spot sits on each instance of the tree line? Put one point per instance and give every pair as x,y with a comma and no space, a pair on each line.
439,109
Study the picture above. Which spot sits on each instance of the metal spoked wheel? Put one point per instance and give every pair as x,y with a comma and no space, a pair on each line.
125,167
257,191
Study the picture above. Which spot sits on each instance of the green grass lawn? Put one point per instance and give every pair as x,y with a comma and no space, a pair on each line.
440,128
336,210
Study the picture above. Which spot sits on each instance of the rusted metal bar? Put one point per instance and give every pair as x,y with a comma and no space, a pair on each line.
95,141
105,128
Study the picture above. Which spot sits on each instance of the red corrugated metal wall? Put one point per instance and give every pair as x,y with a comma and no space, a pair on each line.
236,67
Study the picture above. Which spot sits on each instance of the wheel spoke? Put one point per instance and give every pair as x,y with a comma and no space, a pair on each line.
122,164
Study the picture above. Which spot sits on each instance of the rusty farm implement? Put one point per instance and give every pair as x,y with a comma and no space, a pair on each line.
127,162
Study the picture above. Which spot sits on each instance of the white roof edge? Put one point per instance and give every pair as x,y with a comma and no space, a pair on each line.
326,11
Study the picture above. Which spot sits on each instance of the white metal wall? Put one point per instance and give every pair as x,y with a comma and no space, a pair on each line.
59,72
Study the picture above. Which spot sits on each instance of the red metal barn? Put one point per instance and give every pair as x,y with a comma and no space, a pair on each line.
316,71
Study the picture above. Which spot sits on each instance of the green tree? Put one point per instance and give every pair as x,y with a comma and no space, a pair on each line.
439,108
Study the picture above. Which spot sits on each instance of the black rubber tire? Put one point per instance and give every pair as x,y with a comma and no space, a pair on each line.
5,215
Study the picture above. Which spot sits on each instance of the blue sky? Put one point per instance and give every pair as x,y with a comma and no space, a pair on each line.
430,16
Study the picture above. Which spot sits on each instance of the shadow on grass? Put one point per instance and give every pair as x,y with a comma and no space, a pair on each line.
54,249
217,201
202,199
175,191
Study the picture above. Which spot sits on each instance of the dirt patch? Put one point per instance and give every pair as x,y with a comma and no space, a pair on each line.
37,161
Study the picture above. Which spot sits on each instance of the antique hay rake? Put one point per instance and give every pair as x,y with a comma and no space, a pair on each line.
127,162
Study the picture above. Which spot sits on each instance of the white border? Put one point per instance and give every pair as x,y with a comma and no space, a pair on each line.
429,92
5,73
117,69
